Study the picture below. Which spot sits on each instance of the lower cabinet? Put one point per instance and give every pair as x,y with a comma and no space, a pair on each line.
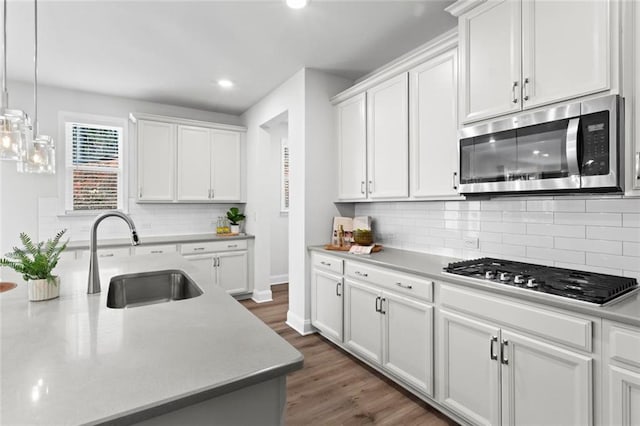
492,375
326,307
229,270
392,331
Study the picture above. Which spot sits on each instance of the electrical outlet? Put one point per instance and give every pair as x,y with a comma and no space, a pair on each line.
470,242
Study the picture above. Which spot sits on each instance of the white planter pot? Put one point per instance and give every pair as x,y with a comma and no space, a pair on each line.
43,289
235,229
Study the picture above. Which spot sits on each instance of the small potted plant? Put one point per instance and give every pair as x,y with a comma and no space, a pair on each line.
235,217
36,262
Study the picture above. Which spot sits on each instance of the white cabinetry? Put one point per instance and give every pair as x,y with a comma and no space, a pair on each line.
433,138
226,262
388,139
352,148
156,160
518,55
185,161
327,289
633,139
363,320
622,375
209,167
491,374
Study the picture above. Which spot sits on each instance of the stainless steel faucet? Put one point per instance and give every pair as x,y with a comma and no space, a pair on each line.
94,273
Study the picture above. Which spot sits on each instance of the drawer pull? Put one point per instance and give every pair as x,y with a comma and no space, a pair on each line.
338,289
107,255
492,354
361,274
503,352
407,286
198,248
232,245
325,263
156,251
378,308
382,311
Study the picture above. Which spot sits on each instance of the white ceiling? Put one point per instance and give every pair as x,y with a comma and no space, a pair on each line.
173,51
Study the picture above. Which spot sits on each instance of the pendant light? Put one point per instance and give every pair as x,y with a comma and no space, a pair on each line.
14,124
40,152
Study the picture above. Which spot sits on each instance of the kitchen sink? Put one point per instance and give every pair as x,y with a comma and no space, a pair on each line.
146,288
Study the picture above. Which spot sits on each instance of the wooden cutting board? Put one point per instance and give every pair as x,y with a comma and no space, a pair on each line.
376,248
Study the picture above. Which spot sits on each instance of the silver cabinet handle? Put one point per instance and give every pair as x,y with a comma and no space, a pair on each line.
213,194
513,92
157,251
325,263
638,165
107,255
232,245
492,354
338,289
382,311
140,192
198,248
454,180
525,90
503,352
362,187
407,286
370,186
378,308
361,274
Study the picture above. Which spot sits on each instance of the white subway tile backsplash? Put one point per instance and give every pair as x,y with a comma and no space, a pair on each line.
461,224
626,263
631,220
494,237
502,249
613,233
622,205
556,205
631,249
595,219
462,205
559,230
528,240
594,246
512,227
528,217
557,255
504,205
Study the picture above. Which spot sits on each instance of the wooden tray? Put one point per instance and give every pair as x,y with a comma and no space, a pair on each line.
229,234
376,248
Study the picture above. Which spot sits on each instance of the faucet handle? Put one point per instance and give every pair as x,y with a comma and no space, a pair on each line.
134,238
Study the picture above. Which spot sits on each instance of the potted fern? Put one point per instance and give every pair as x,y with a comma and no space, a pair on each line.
235,217
35,261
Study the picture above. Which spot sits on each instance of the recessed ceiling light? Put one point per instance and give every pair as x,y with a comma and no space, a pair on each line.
225,83
297,4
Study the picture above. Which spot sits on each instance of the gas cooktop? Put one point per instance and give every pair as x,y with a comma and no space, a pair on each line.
588,287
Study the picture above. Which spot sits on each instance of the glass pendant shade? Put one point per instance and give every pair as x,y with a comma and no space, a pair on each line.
15,130
40,156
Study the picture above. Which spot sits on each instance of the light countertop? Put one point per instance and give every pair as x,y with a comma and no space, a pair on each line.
625,310
72,360
157,239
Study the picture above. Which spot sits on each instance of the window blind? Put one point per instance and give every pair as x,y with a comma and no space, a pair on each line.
94,160
284,198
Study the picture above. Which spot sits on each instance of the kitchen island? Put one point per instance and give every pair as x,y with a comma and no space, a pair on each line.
72,360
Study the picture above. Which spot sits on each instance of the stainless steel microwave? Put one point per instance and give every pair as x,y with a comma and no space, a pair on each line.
575,147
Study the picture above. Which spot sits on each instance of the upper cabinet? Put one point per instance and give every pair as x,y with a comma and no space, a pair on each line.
397,130
522,54
388,139
188,161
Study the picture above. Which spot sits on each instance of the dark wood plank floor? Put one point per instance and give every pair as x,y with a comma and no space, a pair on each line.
334,388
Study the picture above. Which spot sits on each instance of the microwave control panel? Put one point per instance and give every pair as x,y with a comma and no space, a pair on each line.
594,129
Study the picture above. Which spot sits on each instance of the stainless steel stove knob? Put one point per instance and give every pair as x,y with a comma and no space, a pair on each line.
505,276
489,275
518,279
532,283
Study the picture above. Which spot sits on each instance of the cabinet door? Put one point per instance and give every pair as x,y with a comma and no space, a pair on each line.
206,263
362,321
232,271
624,397
538,375
194,178
352,148
226,166
566,50
470,373
434,127
156,161
408,341
388,139
326,304
490,60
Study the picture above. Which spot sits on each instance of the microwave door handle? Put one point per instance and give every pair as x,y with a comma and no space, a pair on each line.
572,146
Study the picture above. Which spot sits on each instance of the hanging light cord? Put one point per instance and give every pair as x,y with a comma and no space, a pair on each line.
36,125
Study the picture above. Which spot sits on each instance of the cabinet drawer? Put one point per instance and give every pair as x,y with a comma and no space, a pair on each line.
408,284
555,326
329,263
157,249
106,252
211,246
624,345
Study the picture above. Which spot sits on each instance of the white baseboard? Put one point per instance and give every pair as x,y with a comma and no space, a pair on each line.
302,326
261,296
279,279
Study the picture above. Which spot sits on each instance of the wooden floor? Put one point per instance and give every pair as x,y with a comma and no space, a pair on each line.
334,388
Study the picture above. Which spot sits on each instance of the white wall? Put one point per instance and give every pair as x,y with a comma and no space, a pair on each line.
279,220
22,196
593,233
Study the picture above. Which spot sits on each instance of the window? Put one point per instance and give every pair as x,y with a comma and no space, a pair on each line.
94,165
284,176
